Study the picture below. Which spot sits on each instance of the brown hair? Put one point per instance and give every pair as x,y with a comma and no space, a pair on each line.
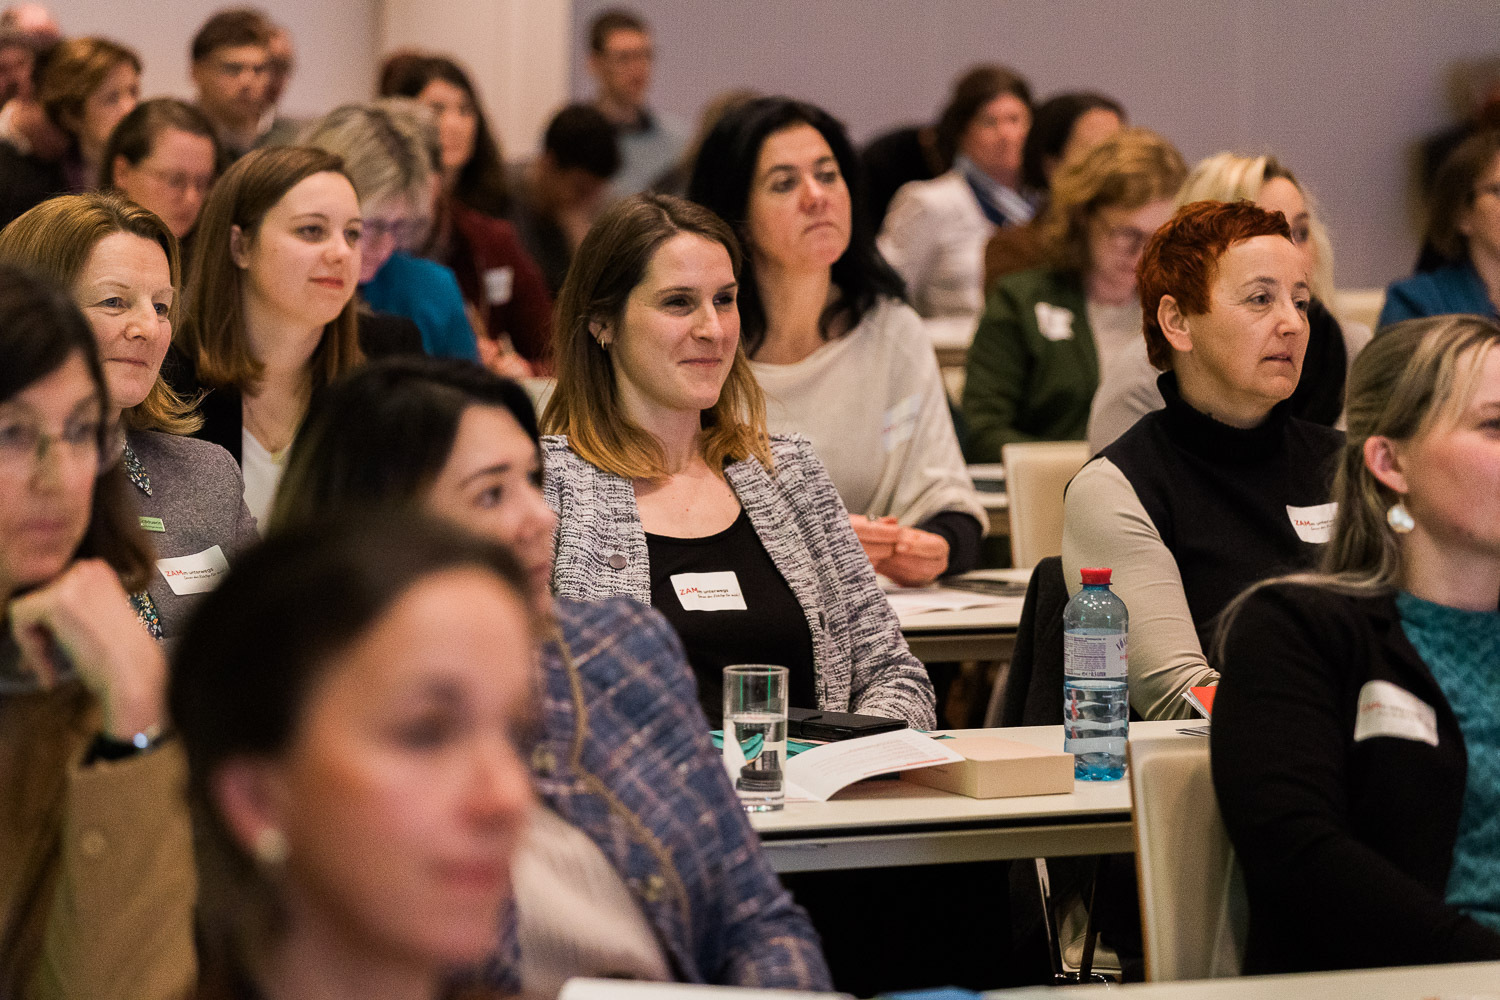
1182,259
138,132
55,239
1130,168
971,92
75,69
231,29
610,21
1453,193
610,263
212,332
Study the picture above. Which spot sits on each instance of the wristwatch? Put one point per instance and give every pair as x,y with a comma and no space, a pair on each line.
108,748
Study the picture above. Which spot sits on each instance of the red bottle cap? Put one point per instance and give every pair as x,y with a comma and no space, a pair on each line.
1096,576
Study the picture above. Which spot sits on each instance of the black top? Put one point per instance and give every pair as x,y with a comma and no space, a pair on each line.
1218,495
381,335
1319,395
26,181
542,236
771,629
1346,845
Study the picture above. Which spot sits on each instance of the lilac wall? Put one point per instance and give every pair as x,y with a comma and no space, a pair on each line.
1340,97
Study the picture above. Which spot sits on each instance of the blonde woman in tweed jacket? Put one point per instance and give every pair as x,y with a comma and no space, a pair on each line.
659,463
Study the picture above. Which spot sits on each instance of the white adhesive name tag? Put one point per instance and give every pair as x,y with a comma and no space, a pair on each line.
1388,710
1054,322
498,282
194,574
900,422
1313,524
709,591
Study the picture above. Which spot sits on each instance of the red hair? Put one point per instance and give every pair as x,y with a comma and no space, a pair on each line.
1182,259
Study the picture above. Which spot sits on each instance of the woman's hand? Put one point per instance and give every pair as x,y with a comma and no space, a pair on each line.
85,615
878,538
919,558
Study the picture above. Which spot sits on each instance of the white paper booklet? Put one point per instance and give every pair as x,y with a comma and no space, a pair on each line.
814,775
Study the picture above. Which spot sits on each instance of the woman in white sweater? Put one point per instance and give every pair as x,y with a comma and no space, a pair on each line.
839,354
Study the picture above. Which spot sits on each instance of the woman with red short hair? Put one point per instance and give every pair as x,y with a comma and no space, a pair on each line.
1223,487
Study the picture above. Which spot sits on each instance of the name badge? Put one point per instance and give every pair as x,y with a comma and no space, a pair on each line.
498,282
709,591
194,574
1054,322
1388,710
1313,524
900,422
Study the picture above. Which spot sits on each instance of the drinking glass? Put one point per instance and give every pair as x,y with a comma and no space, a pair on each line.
755,734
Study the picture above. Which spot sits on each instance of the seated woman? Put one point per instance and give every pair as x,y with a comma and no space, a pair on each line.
1063,129
1463,229
94,831
119,261
1047,334
164,156
268,313
935,231
1128,391
385,153
660,467
358,770
840,357
86,87
499,280
1223,487
453,440
1356,738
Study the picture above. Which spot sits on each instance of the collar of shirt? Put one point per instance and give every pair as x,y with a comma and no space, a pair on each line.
1010,203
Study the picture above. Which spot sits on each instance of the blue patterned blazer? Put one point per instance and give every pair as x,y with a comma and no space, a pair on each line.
625,756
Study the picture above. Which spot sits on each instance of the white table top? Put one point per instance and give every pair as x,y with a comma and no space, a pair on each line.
1438,982
907,804
1004,614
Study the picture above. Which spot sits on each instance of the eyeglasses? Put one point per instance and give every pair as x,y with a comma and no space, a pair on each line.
237,69
403,231
1126,239
24,446
181,182
625,57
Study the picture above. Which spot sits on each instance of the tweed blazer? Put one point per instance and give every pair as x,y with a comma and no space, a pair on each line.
198,495
625,757
861,661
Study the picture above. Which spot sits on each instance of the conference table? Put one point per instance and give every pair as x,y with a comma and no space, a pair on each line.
887,823
985,630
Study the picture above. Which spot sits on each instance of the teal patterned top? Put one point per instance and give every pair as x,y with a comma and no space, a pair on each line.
1462,649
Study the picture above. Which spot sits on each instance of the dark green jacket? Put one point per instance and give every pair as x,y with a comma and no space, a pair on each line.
1024,384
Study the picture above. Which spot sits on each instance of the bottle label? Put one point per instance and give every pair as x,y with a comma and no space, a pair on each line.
1095,657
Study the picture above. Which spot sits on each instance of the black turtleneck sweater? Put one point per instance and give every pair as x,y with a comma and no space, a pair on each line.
1188,512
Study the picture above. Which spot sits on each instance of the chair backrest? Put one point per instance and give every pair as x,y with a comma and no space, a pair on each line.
1035,474
1358,305
1193,907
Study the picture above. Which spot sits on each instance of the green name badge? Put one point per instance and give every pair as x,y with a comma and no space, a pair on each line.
153,524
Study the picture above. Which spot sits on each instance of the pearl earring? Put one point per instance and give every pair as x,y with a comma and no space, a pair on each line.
1399,518
271,848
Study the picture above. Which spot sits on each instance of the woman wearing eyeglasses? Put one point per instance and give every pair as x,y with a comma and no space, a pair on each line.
96,871
164,156
1046,334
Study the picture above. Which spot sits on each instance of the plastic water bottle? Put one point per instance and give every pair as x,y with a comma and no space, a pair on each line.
1096,700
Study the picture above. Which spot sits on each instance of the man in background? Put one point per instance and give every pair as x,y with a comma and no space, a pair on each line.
25,29
559,193
232,72
620,59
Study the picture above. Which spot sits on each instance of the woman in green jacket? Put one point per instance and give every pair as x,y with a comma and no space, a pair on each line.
1046,335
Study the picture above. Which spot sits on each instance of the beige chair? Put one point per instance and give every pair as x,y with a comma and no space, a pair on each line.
1193,909
1035,474
1358,305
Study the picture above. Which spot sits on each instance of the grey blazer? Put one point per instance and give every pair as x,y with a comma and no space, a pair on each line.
198,494
861,661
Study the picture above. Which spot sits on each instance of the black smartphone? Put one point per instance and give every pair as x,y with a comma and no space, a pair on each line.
812,724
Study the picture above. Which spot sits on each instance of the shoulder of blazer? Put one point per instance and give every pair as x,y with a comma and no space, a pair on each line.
1046,284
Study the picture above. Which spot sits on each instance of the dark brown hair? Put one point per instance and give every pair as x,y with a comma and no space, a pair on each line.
212,331
40,331
75,69
138,132
971,92
231,29
610,21
1454,191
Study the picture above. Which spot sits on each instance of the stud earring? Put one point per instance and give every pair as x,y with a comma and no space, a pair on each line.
271,848
1399,518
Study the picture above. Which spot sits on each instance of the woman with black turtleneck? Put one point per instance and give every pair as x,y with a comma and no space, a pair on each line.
1223,487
